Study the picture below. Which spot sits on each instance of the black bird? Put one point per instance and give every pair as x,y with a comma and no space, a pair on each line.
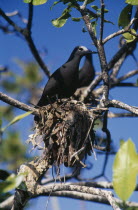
64,81
87,72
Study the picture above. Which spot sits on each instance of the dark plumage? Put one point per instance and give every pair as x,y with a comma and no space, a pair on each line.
87,72
64,81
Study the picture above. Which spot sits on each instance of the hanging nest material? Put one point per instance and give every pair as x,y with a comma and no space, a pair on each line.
66,128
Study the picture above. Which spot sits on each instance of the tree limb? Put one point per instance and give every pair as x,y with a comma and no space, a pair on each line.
121,105
27,35
17,104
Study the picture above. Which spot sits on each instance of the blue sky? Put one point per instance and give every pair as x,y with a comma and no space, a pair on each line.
59,43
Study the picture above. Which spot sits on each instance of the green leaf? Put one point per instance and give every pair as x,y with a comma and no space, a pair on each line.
55,3
125,16
76,19
99,9
125,169
129,37
108,21
59,22
132,2
11,183
16,119
35,2
95,7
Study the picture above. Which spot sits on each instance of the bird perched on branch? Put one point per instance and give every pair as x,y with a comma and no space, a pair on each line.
65,80
87,72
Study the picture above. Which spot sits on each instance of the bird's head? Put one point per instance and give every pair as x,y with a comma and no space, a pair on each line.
81,51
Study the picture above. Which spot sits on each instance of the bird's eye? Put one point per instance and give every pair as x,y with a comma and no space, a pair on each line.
80,49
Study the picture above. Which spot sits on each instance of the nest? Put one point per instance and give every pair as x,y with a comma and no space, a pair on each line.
66,129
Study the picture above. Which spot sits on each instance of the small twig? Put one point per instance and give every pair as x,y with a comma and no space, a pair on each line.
117,67
16,27
10,14
105,129
86,19
17,104
122,31
118,82
84,5
30,17
128,75
121,105
27,35
102,21
115,115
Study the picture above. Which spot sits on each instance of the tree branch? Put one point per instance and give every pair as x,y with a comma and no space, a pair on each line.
30,17
17,104
27,35
122,31
102,21
121,105
40,190
115,115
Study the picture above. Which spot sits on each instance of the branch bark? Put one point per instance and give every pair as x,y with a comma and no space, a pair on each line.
17,104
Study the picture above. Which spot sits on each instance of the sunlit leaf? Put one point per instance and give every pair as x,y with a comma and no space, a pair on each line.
108,21
76,19
55,3
125,16
35,2
125,169
129,37
132,2
95,7
59,22
11,183
16,119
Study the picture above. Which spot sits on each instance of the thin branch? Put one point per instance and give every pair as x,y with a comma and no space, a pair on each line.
86,19
93,198
117,67
124,84
10,14
117,82
6,204
102,21
122,31
128,75
84,5
16,27
17,104
121,105
105,129
29,40
115,115
30,17
36,54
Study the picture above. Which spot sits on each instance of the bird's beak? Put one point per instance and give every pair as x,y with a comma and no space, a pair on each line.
91,52
94,52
